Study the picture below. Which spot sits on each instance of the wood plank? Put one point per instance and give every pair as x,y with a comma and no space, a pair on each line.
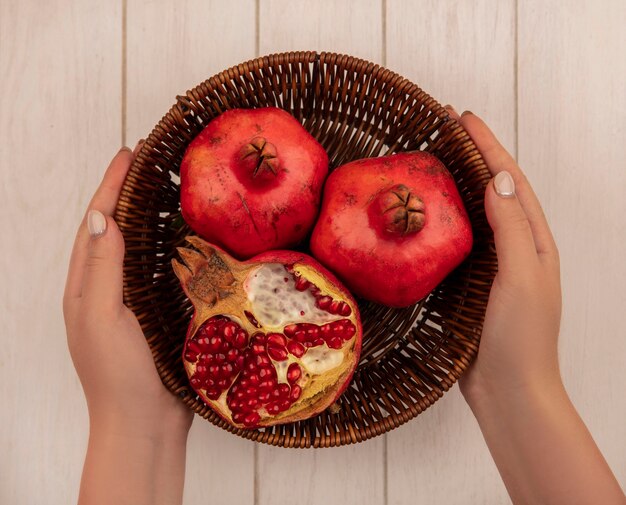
572,127
171,47
60,98
353,474
461,53
342,26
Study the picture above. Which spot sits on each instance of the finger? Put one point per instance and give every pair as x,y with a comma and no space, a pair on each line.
105,199
102,278
452,112
512,233
498,159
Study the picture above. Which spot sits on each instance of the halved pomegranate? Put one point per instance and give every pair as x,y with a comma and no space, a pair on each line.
273,340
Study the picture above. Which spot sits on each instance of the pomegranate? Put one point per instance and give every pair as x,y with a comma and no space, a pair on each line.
273,340
393,227
252,180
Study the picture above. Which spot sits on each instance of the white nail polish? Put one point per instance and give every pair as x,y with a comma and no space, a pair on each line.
504,184
96,223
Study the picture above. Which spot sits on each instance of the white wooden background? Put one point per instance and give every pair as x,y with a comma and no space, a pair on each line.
80,77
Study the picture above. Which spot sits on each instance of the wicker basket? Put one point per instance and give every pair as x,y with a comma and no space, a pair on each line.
355,109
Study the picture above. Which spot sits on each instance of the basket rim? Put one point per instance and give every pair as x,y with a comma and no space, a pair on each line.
181,108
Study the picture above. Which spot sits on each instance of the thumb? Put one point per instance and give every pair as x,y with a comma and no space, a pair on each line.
102,280
512,233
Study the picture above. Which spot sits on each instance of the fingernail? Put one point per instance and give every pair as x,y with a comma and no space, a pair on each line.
96,223
504,184
449,108
138,146
467,112
126,148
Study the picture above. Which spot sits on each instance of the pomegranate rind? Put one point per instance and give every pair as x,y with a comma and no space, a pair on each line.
206,267
352,239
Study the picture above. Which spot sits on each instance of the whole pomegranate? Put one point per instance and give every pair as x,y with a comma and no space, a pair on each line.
272,340
252,180
392,228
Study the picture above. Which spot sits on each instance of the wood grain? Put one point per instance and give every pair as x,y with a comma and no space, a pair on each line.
547,76
171,47
350,474
60,98
572,127
461,53
342,26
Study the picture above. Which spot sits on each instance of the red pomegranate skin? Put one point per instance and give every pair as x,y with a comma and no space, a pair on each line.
392,228
251,181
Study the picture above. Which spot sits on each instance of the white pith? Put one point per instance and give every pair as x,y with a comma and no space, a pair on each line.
277,303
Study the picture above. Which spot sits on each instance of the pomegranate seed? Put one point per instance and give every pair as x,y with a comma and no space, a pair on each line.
277,353
312,331
251,391
252,319
226,370
213,392
232,355
220,358
284,405
273,408
335,306
252,403
254,380
268,384
326,330
251,366
345,309
300,336
318,341
276,339
264,396
258,349
223,384
240,395
239,363
193,346
196,382
258,338
315,291
262,359
265,372
283,390
334,342
294,372
296,391
229,331
201,369
238,417
349,331
252,419
241,339
215,343
290,329
213,370
296,348
203,343
302,284
191,355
